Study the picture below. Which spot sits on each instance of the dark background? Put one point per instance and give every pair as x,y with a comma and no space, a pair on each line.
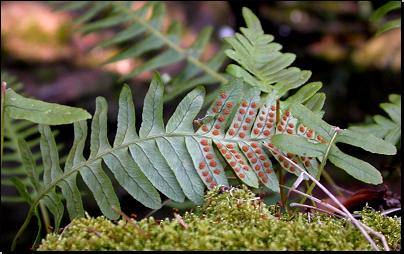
333,39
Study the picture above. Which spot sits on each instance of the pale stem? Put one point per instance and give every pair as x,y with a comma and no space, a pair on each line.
126,217
347,213
45,216
180,220
382,238
322,165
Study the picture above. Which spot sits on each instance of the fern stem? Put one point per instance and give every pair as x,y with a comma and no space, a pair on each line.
99,156
281,183
171,44
283,198
331,182
155,210
321,168
45,216
23,227
309,193
53,184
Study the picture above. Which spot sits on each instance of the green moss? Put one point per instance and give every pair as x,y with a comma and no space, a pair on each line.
226,224
390,227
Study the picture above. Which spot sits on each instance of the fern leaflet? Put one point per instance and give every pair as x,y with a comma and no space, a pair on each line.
13,130
389,130
261,62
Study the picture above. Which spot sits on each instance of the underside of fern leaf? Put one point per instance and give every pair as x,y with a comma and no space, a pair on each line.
179,162
13,130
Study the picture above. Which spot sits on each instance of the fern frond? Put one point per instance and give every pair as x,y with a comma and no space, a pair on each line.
178,162
175,160
387,129
261,63
150,39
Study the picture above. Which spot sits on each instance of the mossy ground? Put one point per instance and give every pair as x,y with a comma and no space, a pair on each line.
227,224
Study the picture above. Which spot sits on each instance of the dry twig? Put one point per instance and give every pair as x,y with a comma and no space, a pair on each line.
180,220
127,218
344,211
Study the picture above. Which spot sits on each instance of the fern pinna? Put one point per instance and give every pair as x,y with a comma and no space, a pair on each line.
387,129
13,130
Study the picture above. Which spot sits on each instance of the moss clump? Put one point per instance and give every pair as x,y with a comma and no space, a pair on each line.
228,222
390,227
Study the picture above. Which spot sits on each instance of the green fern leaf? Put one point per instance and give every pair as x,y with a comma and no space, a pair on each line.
305,147
300,146
316,102
261,62
365,141
68,186
387,129
393,110
13,130
147,156
29,164
22,189
93,174
263,65
153,109
50,198
125,170
357,168
36,111
178,161
174,149
136,29
381,12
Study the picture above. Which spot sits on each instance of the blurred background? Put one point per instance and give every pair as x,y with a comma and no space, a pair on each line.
333,39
